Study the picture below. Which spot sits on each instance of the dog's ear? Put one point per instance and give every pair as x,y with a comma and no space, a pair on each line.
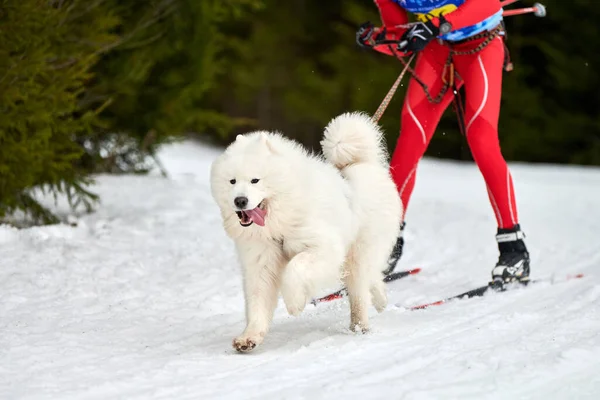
266,141
240,137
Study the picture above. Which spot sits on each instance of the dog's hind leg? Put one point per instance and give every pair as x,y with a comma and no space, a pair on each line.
358,283
377,252
364,281
262,277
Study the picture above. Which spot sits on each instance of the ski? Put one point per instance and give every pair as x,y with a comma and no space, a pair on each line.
388,278
480,291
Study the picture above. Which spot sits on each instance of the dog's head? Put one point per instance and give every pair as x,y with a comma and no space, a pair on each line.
240,178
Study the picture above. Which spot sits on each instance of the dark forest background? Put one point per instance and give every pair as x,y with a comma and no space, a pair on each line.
97,86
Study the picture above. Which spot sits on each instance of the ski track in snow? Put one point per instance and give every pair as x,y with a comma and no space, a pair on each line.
142,299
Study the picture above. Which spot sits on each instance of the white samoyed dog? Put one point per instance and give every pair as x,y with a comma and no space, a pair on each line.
302,222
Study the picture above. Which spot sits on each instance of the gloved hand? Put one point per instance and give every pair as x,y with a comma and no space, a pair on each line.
420,34
364,34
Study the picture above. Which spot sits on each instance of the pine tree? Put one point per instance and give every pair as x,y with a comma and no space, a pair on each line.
156,80
46,52
89,86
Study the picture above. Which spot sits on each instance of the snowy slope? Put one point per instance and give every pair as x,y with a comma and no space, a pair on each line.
142,298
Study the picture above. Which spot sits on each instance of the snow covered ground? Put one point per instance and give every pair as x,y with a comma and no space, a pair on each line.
142,298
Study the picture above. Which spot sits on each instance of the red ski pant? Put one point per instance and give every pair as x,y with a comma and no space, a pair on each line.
481,75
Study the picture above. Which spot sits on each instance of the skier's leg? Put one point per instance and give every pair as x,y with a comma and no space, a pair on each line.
418,122
482,74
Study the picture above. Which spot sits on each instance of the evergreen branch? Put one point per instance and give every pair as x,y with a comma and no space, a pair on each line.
70,18
164,10
38,212
144,42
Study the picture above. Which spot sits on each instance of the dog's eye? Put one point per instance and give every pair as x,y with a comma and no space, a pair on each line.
255,180
232,181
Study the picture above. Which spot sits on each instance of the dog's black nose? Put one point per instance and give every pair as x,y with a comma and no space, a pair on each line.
240,202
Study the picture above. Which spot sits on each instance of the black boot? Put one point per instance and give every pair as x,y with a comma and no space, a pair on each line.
396,251
513,263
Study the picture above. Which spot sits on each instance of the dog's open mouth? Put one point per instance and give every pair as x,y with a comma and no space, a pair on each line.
248,217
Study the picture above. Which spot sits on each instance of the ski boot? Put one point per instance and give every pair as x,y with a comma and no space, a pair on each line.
513,263
396,251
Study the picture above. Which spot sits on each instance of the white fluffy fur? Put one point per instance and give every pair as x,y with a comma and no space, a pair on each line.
324,225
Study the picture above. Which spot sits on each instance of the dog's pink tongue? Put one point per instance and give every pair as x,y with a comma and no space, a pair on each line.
257,215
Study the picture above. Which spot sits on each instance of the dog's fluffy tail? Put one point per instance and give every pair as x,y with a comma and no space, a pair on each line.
353,138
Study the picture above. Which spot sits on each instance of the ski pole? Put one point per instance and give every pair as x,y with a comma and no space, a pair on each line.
538,10
507,2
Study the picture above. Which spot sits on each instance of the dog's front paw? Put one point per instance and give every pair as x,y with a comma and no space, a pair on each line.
359,328
294,299
295,303
293,290
245,344
295,309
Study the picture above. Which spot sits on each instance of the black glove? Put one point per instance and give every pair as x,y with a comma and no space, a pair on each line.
419,35
364,34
